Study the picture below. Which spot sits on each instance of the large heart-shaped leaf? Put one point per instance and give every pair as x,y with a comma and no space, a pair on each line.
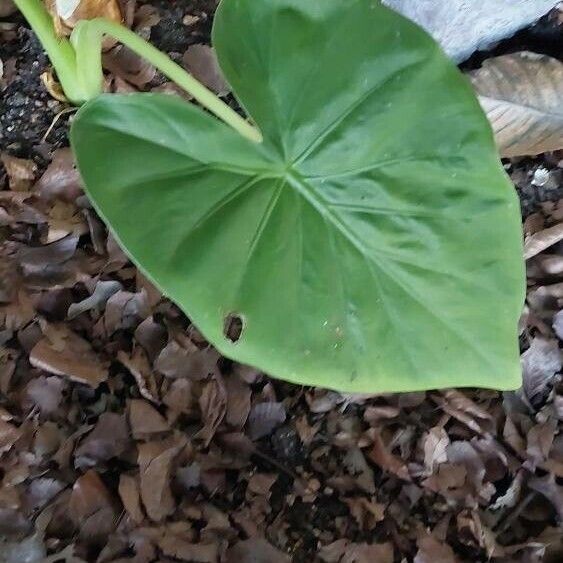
371,242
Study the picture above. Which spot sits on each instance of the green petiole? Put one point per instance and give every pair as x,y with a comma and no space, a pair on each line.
78,62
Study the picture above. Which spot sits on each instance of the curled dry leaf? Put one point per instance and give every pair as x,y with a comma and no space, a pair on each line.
155,462
108,439
202,63
145,420
61,180
263,418
102,292
67,13
521,94
431,550
129,492
21,172
538,242
6,8
540,362
67,354
255,550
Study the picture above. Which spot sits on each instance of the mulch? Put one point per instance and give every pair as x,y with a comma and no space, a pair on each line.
124,436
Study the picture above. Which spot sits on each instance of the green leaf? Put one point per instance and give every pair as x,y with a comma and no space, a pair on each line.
371,243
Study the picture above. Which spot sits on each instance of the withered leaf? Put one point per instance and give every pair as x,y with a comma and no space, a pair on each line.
431,550
129,492
255,550
102,292
202,63
71,356
263,418
542,240
145,420
521,94
176,547
238,401
21,172
155,462
108,439
213,406
540,362
61,179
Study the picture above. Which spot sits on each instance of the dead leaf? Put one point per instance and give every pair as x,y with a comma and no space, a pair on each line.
9,434
108,439
213,406
21,172
540,241
553,492
238,401
69,355
255,550
540,362
129,492
139,367
263,418
61,180
102,292
435,443
521,94
155,462
145,420
176,547
92,508
201,62
67,13
382,457
7,8
431,550
45,393
368,553
175,361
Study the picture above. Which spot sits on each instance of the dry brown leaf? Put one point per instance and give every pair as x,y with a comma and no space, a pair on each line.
368,553
263,418
66,354
238,401
9,434
174,546
540,362
255,550
213,406
61,180
542,240
201,62
108,439
6,8
145,419
431,550
67,13
140,369
381,456
155,462
92,508
521,94
21,172
129,492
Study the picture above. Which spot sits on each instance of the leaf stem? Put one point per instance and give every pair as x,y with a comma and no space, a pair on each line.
59,50
78,62
91,32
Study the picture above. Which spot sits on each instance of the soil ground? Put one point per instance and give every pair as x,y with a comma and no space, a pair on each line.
136,468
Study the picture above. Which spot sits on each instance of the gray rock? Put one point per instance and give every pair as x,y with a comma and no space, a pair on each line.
465,26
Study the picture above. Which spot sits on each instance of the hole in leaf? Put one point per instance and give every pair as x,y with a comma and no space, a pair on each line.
233,327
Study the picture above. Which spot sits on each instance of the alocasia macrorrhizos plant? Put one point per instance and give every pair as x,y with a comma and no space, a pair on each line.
371,242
